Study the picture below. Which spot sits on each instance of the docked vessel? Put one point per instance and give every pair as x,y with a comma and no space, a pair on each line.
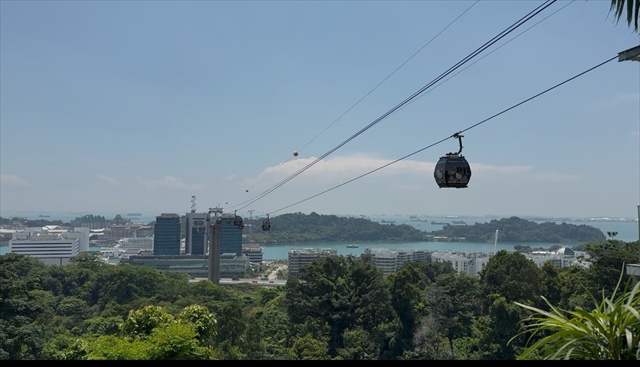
353,245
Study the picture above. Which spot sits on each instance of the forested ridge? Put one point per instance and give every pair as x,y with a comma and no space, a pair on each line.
299,227
515,230
338,308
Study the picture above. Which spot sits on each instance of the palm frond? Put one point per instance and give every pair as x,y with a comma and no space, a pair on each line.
630,8
610,331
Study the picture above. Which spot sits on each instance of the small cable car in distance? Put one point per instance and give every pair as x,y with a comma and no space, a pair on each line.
237,221
265,224
453,170
295,154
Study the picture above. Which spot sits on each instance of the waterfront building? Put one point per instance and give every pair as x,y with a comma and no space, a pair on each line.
144,243
299,258
253,252
390,260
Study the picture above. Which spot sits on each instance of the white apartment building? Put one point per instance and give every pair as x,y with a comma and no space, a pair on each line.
390,260
300,258
462,262
54,246
253,252
473,263
143,243
562,258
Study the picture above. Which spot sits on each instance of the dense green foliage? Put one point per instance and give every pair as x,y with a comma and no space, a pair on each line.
338,308
515,230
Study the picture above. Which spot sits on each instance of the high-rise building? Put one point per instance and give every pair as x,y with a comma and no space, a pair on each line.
196,236
230,234
166,235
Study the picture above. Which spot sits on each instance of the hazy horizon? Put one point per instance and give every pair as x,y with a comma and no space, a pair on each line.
110,215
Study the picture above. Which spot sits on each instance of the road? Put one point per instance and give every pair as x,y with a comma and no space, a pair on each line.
274,273
264,283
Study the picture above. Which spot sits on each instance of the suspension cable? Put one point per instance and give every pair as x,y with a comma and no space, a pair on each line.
290,157
449,137
489,43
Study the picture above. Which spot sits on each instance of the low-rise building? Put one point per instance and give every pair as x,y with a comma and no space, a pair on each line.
253,252
145,243
52,245
299,258
390,260
196,266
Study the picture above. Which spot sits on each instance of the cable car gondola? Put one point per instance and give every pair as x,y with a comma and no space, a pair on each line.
295,154
453,170
265,224
237,221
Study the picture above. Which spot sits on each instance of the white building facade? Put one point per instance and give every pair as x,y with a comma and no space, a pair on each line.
299,258
390,260
54,246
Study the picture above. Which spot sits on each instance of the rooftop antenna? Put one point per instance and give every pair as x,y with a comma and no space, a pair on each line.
217,210
193,204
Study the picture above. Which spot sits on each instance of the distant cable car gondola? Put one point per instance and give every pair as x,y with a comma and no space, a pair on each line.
237,221
295,154
265,224
453,170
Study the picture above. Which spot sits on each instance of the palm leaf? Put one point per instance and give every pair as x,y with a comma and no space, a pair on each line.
611,330
630,7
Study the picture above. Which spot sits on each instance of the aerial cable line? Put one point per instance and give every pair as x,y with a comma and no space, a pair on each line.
489,43
447,138
366,95
492,51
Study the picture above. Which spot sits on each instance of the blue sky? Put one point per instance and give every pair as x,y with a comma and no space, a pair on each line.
113,106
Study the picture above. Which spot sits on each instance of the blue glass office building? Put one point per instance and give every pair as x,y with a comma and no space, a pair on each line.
166,235
196,241
230,235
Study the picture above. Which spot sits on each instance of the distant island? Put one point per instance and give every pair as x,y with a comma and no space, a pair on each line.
300,228
516,230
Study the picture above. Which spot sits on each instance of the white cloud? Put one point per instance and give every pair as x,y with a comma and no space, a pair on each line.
347,167
109,180
14,180
229,178
168,182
